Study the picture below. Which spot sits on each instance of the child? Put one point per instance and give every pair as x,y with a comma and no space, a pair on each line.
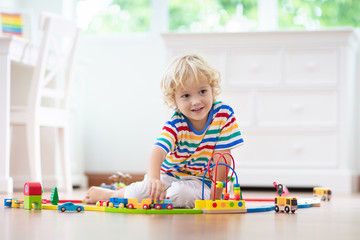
199,127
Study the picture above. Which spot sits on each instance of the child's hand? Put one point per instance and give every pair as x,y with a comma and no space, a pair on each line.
156,189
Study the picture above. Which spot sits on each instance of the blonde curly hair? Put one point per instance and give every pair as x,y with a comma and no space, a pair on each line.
190,66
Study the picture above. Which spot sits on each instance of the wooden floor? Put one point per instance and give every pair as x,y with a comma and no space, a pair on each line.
337,219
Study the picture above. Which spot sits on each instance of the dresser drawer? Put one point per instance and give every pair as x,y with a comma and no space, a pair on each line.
254,67
242,103
297,108
311,66
288,149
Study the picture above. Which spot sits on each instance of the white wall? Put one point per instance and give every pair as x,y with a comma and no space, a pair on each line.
122,106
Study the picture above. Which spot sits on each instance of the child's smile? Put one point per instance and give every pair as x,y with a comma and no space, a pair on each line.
197,110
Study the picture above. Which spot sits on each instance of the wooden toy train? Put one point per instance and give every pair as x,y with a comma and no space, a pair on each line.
132,203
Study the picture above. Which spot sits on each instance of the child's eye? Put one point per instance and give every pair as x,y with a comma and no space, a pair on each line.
185,96
203,91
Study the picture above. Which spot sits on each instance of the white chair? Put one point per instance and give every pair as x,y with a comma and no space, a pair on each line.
48,98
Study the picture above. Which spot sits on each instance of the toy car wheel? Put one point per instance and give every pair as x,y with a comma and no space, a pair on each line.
130,206
63,209
157,206
145,206
121,205
276,208
169,207
78,209
287,209
111,205
293,211
98,204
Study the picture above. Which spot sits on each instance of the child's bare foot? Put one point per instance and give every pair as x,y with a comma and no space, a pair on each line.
95,194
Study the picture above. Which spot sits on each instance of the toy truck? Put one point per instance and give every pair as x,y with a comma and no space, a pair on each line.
286,204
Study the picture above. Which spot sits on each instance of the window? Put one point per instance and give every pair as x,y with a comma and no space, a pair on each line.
212,15
114,16
124,16
314,14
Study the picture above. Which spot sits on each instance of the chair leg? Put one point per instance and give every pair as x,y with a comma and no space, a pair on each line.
65,158
34,154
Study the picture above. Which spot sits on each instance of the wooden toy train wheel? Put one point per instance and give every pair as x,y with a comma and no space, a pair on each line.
287,209
63,209
276,208
78,209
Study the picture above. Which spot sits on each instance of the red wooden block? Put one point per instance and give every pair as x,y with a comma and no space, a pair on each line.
32,189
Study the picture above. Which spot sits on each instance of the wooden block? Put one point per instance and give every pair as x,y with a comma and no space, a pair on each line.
50,207
94,208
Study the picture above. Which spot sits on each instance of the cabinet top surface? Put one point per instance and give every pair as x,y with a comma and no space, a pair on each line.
328,35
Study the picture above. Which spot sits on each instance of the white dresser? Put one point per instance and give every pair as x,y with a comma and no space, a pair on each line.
295,96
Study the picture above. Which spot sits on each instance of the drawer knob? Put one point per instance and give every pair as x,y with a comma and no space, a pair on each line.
311,66
255,67
297,148
297,107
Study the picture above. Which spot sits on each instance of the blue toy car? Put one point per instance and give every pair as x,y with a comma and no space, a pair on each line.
69,206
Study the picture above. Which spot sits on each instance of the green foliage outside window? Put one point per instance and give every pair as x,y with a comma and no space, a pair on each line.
209,15
122,16
312,14
125,16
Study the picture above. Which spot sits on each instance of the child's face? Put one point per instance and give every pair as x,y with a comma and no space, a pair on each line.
195,102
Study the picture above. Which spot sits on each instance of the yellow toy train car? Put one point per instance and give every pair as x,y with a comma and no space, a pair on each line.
286,204
323,193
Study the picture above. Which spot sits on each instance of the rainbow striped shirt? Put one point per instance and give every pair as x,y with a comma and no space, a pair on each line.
188,150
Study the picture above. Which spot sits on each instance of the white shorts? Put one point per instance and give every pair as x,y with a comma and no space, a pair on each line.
183,193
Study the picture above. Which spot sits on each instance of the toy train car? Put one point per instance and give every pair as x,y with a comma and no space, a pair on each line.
286,204
322,193
133,203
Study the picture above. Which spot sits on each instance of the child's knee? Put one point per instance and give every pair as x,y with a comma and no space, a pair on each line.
182,197
137,190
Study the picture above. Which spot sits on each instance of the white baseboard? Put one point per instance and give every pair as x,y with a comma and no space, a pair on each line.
50,181
339,181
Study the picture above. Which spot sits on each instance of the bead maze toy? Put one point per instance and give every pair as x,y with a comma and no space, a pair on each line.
237,205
